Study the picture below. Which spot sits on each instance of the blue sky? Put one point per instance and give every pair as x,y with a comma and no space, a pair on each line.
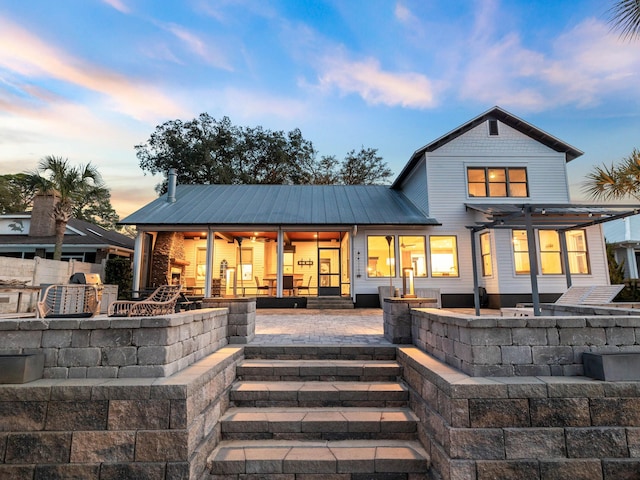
89,79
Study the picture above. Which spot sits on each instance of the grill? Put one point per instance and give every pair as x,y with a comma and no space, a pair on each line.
86,279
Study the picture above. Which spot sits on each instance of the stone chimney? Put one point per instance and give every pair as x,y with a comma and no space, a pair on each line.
42,222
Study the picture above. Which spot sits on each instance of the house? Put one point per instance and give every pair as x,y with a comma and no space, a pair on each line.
624,236
32,234
485,206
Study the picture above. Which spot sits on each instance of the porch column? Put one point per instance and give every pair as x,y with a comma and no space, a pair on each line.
208,270
565,256
474,264
280,261
137,262
533,264
631,262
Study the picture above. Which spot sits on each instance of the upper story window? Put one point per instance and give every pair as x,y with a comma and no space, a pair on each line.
493,128
497,182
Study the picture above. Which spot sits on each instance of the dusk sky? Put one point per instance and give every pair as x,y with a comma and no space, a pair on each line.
89,79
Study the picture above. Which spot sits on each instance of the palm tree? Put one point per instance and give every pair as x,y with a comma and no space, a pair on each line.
54,174
617,181
625,18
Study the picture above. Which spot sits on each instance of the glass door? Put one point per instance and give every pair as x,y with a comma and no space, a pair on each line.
328,271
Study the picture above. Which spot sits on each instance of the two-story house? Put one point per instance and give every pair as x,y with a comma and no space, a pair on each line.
481,213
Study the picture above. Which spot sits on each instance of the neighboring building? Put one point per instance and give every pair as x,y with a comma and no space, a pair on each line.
32,234
494,191
624,236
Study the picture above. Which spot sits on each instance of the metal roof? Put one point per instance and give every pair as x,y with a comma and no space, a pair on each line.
495,113
281,205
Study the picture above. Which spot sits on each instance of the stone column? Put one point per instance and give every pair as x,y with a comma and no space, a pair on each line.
242,316
397,317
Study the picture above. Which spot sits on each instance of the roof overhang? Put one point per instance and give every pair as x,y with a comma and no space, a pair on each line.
553,216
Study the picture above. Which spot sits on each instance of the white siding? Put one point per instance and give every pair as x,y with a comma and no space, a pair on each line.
415,187
510,283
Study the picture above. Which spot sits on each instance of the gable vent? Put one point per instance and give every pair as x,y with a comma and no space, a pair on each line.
493,128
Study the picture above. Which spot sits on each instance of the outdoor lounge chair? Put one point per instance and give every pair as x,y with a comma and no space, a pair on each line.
161,302
260,287
69,301
575,295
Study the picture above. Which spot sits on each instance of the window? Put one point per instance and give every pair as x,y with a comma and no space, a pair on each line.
485,252
444,256
497,182
520,252
493,128
201,263
412,255
381,256
550,256
550,252
577,251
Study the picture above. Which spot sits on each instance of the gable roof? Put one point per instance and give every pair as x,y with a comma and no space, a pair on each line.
495,113
88,234
281,205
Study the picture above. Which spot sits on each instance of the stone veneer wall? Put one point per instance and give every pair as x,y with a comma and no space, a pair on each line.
109,347
523,428
114,429
241,326
396,316
521,346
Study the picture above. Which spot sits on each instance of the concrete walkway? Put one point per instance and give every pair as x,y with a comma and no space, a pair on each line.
309,326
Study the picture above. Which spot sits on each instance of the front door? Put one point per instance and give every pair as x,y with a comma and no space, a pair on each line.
328,271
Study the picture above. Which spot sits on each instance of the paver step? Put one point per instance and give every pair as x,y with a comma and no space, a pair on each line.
319,370
318,394
388,459
318,423
329,303
325,352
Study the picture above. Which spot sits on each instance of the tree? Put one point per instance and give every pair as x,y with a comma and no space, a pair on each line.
16,193
209,151
616,182
54,174
94,205
364,168
625,18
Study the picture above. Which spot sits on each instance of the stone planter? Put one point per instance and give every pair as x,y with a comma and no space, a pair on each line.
21,368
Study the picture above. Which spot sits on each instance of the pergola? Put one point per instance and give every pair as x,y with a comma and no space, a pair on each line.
560,217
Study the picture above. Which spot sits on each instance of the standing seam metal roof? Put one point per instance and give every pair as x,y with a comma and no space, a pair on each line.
281,205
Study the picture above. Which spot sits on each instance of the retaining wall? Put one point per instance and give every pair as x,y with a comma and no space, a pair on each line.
112,429
110,347
523,428
521,346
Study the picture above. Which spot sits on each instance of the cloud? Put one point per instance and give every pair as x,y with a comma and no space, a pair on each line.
584,67
118,5
367,79
27,56
206,50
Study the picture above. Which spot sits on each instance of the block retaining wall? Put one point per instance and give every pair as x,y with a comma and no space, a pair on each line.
521,346
523,428
110,347
112,429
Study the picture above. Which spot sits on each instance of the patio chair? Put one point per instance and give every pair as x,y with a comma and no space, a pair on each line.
430,293
260,287
306,287
161,302
69,301
575,295
287,284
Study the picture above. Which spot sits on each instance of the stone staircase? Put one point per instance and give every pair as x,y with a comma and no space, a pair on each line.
325,303
322,412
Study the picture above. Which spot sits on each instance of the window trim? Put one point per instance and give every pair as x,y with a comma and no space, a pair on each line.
507,181
455,255
487,254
